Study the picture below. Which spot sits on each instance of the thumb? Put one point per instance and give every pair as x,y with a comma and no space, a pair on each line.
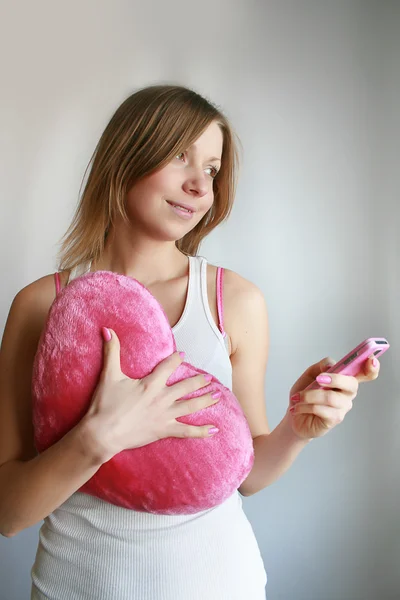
326,364
319,367
308,378
111,352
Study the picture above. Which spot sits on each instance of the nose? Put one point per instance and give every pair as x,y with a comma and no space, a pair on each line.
196,184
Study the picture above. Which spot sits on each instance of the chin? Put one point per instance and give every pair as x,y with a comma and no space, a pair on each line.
173,234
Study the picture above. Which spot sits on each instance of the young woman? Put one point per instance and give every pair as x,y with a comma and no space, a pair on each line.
163,176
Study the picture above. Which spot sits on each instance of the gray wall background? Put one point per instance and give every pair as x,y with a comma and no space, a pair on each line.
313,90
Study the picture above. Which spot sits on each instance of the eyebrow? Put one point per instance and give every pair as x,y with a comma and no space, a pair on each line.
211,158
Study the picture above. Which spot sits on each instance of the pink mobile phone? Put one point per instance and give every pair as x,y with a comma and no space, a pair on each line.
351,363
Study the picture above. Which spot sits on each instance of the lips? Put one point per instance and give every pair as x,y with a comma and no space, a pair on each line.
190,208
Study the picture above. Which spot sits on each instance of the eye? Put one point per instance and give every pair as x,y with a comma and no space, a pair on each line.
214,171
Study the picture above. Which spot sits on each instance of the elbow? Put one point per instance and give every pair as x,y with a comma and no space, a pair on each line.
6,530
8,534
246,492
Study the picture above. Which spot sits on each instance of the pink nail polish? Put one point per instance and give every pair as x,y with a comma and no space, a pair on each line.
374,363
292,409
208,377
295,398
324,379
216,395
106,334
182,355
213,430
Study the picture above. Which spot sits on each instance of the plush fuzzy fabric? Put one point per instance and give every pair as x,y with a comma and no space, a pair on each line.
169,476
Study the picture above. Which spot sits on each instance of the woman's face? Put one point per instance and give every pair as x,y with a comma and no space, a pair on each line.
153,203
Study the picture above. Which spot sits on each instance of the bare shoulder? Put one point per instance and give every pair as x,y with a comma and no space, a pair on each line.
238,287
32,303
25,322
244,307
233,282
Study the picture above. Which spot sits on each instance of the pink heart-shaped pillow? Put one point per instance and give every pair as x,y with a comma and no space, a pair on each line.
170,476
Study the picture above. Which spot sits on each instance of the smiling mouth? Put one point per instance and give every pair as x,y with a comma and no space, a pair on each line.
184,208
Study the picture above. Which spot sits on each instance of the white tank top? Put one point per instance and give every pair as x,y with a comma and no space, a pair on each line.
90,549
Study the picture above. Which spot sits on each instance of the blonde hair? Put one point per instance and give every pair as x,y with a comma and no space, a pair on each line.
147,130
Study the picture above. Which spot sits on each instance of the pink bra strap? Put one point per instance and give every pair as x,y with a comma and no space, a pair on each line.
58,282
220,306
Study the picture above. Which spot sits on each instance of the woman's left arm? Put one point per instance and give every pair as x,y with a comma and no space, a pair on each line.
312,414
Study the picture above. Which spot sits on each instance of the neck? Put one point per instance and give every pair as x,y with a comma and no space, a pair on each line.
149,261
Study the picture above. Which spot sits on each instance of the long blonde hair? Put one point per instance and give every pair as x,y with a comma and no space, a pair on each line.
147,130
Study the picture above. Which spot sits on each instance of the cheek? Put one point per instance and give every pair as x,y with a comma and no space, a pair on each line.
209,200
159,183
207,206
139,198
156,184
163,183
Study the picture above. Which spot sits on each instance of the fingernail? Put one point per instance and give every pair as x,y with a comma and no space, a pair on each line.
208,377
324,379
295,398
292,409
106,334
213,430
182,355
374,363
216,395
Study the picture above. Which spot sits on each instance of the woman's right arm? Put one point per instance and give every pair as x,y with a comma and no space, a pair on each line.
31,485
31,490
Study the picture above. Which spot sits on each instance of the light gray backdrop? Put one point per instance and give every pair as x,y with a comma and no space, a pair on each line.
313,89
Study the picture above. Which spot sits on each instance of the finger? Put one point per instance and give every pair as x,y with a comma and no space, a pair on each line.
319,366
188,407
162,372
344,383
111,353
182,430
321,397
309,375
373,363
370,370
330,416
326,363
188,385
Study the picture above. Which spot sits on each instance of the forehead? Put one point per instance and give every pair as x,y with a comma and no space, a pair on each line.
210,141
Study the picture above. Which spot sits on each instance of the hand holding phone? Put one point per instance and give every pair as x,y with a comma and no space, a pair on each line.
351,364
